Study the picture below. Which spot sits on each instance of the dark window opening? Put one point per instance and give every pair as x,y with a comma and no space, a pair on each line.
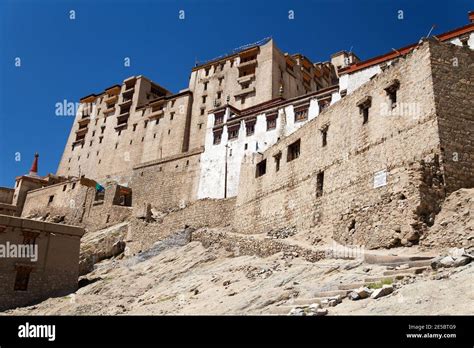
364,106
217,138
64,188
271,122
301,114
293,151
324,135
319,184
233,132
261,168
365,115
99,195
50,200
250,128
277,161
392,93
30,237
219,119
22,278
123,196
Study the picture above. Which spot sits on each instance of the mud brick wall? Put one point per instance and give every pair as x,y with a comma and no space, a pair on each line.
168,183
453,81
404,143
55,273
76,204
201,213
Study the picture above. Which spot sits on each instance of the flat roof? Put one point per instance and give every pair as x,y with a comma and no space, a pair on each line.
404,50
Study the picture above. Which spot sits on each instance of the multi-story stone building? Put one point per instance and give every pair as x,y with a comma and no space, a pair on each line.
148,146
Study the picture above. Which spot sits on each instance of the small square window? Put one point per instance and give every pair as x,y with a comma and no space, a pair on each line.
293,151
261,168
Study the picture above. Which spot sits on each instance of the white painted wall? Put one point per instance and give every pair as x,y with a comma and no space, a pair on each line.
212,177
470,42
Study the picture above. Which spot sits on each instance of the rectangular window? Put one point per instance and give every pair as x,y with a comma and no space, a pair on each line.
22,278
205,85
323,104
391,90
277,158
319,184
30,237
365,115
324,136
393,98
171,116
301,114
217,138
50,199
99,195
271,122
293,151
250,128
364,105
234,132
219,119
204,99
261,168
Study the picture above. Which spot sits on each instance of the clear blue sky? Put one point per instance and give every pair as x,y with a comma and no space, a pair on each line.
68,59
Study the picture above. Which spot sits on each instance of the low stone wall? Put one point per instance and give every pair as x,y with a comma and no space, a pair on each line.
201,213
248,245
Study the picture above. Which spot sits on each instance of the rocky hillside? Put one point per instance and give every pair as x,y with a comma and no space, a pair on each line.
454,225
214,272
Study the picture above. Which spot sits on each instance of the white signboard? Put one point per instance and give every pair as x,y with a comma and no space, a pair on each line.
380,179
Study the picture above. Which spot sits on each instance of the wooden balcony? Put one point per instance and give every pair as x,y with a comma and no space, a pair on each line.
246,78
245,91
248,64
111,99
156,114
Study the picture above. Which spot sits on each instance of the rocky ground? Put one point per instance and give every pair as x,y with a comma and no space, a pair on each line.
181,276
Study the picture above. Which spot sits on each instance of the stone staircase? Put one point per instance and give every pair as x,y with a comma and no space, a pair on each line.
408,266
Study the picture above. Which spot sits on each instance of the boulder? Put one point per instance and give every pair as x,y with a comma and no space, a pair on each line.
361,293
383,291
353,296
297,311
461,261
